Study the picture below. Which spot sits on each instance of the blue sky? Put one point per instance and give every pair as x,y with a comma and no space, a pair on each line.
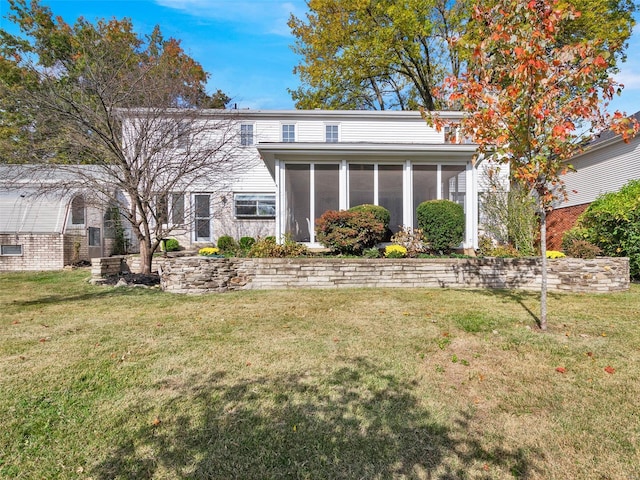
245,44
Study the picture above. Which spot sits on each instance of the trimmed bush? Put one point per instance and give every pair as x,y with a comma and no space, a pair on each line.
227,243
442,223
382,214
349,232
246,242
171,245
613,223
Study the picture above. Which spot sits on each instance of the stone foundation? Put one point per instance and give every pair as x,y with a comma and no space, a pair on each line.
204,275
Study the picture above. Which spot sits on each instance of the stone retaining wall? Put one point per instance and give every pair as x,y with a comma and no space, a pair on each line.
203,275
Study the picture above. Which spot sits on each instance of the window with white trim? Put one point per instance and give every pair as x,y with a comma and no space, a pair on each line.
288,133
254,205
331,133
246,134
11,250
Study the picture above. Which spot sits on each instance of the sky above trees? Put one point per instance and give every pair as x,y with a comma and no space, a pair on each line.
245,44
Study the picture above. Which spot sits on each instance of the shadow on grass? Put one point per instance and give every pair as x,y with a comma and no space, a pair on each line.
107,292
357,422
519,297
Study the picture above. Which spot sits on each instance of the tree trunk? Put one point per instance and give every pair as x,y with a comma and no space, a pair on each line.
543,253
146,256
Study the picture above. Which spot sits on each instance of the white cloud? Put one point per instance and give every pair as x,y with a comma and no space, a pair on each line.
259,16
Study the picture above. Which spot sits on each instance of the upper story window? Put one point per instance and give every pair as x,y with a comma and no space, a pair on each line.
451,134
77,210
246,134
182,135
288,133
331,133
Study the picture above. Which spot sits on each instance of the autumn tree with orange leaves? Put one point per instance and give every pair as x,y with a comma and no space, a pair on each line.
533,97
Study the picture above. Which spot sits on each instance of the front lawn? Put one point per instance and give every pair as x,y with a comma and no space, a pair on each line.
129,383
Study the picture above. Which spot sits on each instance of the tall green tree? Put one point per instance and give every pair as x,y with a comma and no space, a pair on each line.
94,103
533,96
376,54
394,54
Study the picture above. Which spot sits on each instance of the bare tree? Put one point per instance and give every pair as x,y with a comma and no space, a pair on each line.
118,115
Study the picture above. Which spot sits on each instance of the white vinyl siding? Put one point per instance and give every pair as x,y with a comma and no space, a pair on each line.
603,170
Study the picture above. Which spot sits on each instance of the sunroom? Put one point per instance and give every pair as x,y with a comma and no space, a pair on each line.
312,178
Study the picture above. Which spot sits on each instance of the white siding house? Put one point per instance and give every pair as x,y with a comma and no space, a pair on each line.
303,163
286,168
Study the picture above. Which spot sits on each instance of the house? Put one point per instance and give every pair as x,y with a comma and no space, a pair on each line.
307,162
296,165
48,232
605,166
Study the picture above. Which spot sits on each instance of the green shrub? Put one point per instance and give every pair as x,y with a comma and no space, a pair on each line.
371,253
246,242
382,214
583,249
613,223
268,248
227,243
349,232
171,245
442,223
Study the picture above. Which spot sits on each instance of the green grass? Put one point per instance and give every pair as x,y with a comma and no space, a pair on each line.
104,383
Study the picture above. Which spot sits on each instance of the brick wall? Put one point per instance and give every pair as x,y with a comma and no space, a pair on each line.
202,275
75,248
559,221
39,252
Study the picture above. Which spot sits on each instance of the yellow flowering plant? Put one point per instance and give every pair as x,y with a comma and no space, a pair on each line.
555,254
207,251
395,251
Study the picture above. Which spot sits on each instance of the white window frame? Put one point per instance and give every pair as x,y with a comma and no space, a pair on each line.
330,138
195,218
268,198
291,134
4,254
247,139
